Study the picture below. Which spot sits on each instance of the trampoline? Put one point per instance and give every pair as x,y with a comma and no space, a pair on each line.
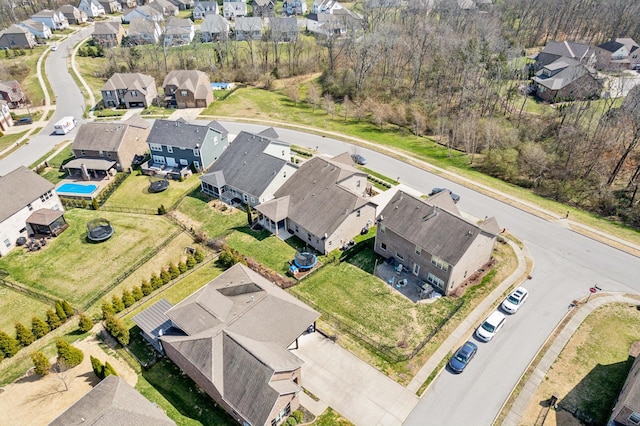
305,261
158,184
99,230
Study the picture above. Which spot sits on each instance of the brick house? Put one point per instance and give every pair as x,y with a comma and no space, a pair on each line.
131,90
187,89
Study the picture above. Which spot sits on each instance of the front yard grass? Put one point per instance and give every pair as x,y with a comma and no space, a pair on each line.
73,269
331,418
134,192
27,77
7,140
590,371
17,307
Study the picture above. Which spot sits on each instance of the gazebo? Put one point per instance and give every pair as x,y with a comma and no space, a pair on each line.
47,223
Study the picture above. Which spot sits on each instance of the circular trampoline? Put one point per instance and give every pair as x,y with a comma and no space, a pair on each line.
158,184
305,261
99,230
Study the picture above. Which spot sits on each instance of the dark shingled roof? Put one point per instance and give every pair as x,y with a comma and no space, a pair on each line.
269,133
100,136
245,166
19,188
611,46
113,402
436,230
570,49
177,134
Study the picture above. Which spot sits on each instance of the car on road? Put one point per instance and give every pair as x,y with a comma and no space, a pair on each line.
455,197
462,357
359,159
514,300
54,48
23,121
490,326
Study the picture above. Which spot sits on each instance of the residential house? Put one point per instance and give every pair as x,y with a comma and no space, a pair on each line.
127,4
263,8
108,34
249,171
38,29
214,28
113,402
12,94
111,6
248,28
323,204
24,193
294,7
232,338
130,90
6,120
555,50
143,31
204,8
626,412
566,79
183,4
325,6
284,29
231,9
179,32
165,7
178,147
339,24
52,19
16,37
621,53
99,147
187,89
431,239
143,12
74,15
92,8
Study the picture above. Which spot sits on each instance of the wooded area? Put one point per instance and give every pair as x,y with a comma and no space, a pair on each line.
457,76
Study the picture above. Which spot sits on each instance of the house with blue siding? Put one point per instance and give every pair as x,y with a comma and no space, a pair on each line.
178,148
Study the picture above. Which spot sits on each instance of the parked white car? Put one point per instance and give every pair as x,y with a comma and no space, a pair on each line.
490,326
514,300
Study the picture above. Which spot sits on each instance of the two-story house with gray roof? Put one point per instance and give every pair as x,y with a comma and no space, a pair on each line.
248,28
565,80
130,90
231,337
143,31
92,8
74,15
204,8
145,12
38,29
294,7
250,170
323,204
16,37
108,34
187,89
263,8
178,147
29,206
231,9
431,239
214,28
52,18
621,53
554,50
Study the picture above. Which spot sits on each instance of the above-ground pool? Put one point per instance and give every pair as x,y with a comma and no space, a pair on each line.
76,189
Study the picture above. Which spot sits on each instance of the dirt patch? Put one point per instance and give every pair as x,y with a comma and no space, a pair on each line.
37,400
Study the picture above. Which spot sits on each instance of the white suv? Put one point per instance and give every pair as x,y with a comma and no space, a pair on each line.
514,300
490,326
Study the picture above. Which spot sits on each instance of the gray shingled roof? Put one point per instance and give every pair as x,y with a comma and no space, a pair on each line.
270,133
113,402
187,79
177,134
154,318
107,28
248,24
570,49
214,23
246,166
315,188
129,81
437,231
571,70
100,136
19,188
219,127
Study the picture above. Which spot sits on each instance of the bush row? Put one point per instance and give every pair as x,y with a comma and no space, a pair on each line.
379,181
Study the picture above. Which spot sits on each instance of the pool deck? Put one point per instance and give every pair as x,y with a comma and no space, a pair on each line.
99,183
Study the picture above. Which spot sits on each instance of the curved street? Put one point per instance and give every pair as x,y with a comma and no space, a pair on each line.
566,263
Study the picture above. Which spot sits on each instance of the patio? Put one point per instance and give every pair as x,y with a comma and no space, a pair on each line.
405,283
162,170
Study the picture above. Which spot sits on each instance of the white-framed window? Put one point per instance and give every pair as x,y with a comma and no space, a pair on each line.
418,250
416,269
196,152
383,246
184,162
432,279
253,200
170,149
134,93
7,243
245,197
107,92
183,93
158,159
439,263
196,164
635,418
29,206
399,256
155,147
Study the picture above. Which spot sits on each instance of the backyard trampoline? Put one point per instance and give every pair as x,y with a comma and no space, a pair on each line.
99,230
158,184
304,261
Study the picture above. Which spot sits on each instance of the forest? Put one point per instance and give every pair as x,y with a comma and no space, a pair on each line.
459,77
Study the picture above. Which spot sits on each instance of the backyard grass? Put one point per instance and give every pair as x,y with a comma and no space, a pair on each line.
264,247
7,140
590,371
73,269
17,307
212,217
54,173
134,192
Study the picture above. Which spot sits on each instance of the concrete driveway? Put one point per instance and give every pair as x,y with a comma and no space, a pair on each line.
351,387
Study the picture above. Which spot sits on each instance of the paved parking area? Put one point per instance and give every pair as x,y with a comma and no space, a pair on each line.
353,388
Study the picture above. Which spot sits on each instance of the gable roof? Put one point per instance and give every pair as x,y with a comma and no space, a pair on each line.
153,319
186,79
100,136
68,9
15,29
269,132
35,25
113,402
129,81
214,23
145,11
245,165
438,231
284,24
569,49
248,23
179,134
139,26
179,23
315,187
566,70
19,188
44,13
108,27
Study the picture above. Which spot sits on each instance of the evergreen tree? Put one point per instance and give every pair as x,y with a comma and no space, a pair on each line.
39,327
53,319
109,370
68,309
127,298
8,345
146,288
23,335
182,267
41,363
191,261
198,256
85,323
156,281
174,271
68,355
97,366
137,294
60,311
165,276
117,303
107,309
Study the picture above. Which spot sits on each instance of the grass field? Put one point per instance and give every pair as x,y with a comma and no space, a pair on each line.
591,369
264,247
331,418
7,140
72,268
54,173
16,307
134,192
26,76
201,212
90,67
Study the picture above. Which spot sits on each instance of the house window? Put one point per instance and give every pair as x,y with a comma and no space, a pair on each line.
418,250
432,279
245,197
184,162
158,159
134,93
253,200
308,236
108,92
183,93
399,256
170,149
29,206
196,164
196,152
7,243
155,147
383,246
439,263
635,418
297,229
357,213
416,269
281,415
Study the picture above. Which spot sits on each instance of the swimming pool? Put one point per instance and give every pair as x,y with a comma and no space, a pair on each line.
75,189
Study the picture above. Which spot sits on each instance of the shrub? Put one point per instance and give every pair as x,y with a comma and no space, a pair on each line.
191,261
146,288
107,309
230,257
162,210
117,303
24,336
53,320
127,298
182,267
291,422
97,366
198,255
41,363
165,276
117,329
39,327
68,356
297,415
109,370
60,311
68,309
174,271
8,345
156,281
85,323
137,294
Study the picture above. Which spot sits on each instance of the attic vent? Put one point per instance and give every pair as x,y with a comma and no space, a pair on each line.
469,232
314,181
433,214
313,194
245,153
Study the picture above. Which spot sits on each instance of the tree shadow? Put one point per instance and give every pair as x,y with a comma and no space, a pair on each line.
260,235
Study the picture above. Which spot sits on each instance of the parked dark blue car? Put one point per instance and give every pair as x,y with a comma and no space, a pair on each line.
455,197
462,357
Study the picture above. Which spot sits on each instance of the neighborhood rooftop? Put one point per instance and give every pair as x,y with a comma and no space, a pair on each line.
19,188
179,134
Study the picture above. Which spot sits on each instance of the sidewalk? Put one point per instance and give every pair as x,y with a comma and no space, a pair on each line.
538,375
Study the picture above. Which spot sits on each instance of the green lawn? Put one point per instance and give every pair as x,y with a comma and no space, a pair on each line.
90,67
264,247
331,418
54,173
16,307
134,192
26,72
72,268
198,210
7,140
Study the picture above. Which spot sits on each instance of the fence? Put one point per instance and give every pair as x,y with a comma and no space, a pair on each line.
135,210
27,291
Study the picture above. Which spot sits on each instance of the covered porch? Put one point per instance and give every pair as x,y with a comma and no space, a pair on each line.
47,223
91,168
272,215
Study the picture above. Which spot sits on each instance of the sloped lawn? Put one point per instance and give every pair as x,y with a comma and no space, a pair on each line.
264,247
210,216
17,307
134,192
